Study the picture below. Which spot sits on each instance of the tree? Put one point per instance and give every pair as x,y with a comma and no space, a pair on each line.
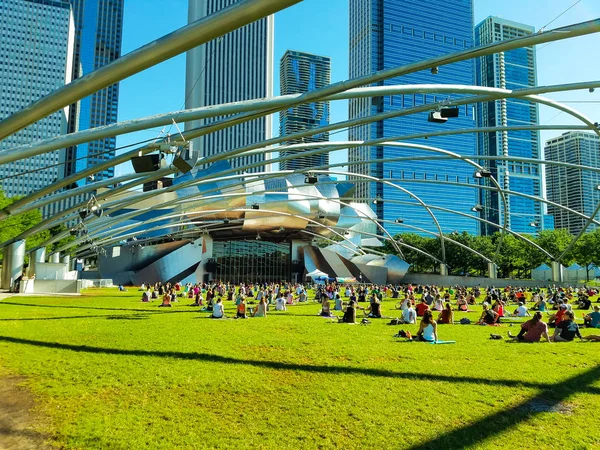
555,242
587,251
13,226
418,261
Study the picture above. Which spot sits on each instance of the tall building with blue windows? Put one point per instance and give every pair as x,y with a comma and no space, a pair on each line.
235,67
299,73
98,37
391,33
36,58
515,69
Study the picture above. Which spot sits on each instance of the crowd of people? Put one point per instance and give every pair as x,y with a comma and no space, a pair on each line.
414,304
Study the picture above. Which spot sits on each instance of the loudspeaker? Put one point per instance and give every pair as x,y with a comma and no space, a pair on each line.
183,165
436,117
147,163
449,112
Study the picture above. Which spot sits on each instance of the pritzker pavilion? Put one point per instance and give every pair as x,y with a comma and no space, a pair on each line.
224,220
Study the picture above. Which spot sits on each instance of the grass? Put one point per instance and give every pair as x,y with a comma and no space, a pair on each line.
111,372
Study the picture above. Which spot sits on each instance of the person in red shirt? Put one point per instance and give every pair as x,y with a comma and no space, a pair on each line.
557,318
532,330
421,308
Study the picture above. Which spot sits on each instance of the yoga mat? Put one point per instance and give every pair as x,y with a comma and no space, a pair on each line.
443,342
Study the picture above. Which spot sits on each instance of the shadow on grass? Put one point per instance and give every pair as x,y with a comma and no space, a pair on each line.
98,308
547,400
195,356
141,316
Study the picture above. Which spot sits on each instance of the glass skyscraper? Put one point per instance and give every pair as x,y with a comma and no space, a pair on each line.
299,73
574,188
36,58
515,69
235,67
98,37
391,33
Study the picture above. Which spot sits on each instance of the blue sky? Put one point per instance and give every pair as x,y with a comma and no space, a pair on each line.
321,27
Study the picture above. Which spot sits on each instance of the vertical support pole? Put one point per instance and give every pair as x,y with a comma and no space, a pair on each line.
443,270
557,271
12,263
38,256
492,270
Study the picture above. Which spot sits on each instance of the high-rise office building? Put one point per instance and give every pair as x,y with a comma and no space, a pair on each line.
299,73
36,57
386,34
237,66
98,37
571,187
515,69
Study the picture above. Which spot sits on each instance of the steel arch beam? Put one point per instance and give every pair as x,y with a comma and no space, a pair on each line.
179,41
262,146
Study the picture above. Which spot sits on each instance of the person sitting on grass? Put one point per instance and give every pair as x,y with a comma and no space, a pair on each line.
421,308
498,307
532,330
567,329
218,310
438,303
428,328
558,317
261,309
592,320
461,304
409,315
350,312
166,301
374,309
146,296
447,315
584,302
326,308
241,308
197,298
280,304
488,316
521,311
540,304
339,305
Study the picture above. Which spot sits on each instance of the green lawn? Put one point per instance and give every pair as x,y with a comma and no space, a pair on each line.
111,372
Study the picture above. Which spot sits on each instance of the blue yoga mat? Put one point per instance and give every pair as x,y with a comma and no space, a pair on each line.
443,342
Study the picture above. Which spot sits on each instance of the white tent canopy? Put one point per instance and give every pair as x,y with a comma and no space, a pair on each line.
317,274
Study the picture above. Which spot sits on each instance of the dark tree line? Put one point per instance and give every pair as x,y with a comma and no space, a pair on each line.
516,258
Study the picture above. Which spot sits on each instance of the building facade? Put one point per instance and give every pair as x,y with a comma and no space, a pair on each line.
515,69
98,38
389,33
36,58
574,188
238,66
300,73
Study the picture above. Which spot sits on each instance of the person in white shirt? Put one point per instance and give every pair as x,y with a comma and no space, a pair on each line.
521,311
218,311
280,304
409,315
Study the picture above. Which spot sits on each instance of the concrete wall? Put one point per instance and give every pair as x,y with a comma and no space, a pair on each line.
51,286
96,283
439,280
